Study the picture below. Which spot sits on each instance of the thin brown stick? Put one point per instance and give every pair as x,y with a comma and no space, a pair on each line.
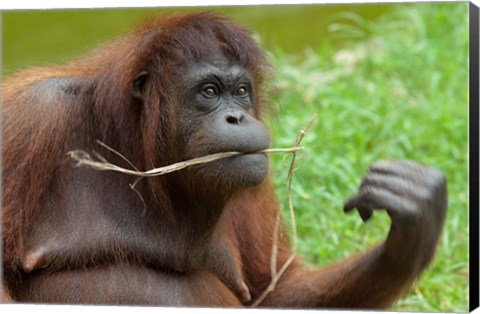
117,153
132,185
102,164
290,177
84,159
273,261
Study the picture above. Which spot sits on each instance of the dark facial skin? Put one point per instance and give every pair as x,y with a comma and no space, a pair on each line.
218,114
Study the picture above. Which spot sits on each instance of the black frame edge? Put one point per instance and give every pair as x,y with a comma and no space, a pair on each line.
474,156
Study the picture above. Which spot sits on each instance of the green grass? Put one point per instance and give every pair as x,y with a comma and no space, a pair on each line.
404,94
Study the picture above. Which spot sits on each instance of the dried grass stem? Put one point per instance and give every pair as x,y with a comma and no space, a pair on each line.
84,159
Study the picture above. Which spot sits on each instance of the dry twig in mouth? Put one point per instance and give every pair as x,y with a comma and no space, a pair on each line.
84,159
102,164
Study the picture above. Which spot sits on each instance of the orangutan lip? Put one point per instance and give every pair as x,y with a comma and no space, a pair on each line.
256,154
251,151
241,151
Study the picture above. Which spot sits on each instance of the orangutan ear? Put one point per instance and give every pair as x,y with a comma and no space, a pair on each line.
138,84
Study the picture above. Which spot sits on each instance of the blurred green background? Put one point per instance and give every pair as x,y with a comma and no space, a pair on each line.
42,37
388,81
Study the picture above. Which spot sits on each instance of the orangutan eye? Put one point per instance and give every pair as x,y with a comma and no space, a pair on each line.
241,91
209,91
